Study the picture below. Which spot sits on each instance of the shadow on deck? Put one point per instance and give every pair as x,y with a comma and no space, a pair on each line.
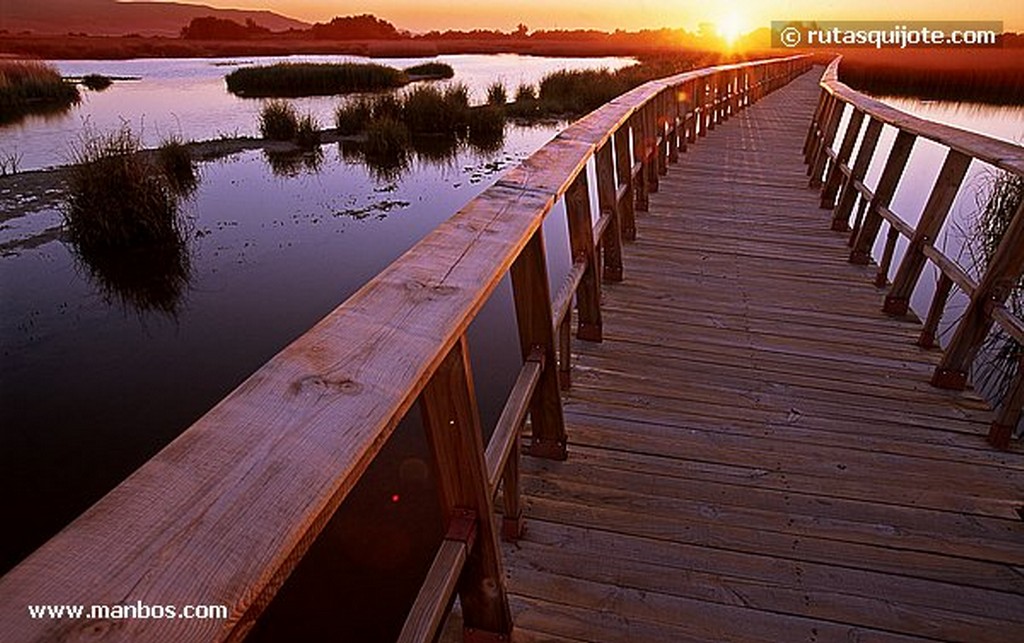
755,452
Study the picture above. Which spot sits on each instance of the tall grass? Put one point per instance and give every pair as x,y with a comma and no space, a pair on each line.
999,357
428,110
122,214
352,117
177,165
497,94
116,198
278,121
291,80
30,87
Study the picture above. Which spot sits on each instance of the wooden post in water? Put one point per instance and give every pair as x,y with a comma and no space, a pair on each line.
532,295
607,203
1000,278
890,178
897,302
452,423
581,239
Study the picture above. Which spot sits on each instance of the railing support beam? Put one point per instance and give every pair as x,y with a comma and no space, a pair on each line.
452,422
897,302
533,313
1000,278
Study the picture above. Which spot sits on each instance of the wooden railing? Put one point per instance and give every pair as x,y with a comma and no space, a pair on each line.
843,191
225,512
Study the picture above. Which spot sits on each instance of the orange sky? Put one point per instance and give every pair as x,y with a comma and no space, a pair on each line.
424,15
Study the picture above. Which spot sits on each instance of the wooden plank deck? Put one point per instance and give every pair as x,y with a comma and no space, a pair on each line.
755,451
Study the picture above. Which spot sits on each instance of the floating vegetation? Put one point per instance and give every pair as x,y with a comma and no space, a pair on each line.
31,87
379,209
1000,355
292,80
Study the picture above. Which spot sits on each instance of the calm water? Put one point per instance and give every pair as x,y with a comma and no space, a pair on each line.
101,369
187,97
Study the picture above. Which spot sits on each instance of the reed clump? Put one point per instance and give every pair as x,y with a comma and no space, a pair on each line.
117,199
32,87
1000,355
177,165
278,121
497,94
292,80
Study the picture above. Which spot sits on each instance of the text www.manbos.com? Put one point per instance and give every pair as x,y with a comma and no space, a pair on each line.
138,610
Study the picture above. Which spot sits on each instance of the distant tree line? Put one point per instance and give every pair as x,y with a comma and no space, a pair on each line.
369,27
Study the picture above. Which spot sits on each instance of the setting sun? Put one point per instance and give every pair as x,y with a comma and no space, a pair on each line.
730,28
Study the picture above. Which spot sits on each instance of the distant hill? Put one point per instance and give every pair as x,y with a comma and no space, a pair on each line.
113,18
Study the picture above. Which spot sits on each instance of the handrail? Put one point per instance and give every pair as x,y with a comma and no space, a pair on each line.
224,513
842,187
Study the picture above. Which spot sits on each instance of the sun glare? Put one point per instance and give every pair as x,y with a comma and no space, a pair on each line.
730,28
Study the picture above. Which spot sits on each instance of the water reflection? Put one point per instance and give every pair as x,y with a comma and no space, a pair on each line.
150,279
292,163
43,112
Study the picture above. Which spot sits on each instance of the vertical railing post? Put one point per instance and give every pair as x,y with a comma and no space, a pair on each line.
581,240
636,124
452,423
652,148
887,183
1006,421
812,131
848,195
532,295
662,130
611,241
693,113
897,302
1001,277
828,135
672,102
930,331
624,169
835,175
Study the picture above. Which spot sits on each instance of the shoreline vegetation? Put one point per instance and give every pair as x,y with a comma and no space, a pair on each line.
33,87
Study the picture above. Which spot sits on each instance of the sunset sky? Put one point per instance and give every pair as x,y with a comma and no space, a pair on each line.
744,15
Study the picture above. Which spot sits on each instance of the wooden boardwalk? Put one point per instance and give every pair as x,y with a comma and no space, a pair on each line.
755,452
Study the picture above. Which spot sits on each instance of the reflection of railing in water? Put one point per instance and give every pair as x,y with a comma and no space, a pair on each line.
843,188
225,512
